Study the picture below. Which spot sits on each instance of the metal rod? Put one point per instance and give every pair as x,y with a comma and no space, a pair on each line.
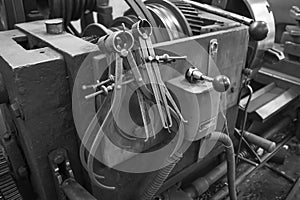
221,12
94,86
280,173
103,90
245,118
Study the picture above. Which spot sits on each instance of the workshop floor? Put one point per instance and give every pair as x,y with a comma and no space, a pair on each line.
265,184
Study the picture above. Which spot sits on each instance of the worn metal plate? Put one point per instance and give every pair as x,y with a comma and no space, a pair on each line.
73,49
36,79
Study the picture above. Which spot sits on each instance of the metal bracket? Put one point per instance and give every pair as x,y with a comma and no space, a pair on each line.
60,165
68,187
212,56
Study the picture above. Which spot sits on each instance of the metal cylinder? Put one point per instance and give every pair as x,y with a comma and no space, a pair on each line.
116,42
54,26
267,145
74,191
200,185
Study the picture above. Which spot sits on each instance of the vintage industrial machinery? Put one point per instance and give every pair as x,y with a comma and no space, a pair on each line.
128,108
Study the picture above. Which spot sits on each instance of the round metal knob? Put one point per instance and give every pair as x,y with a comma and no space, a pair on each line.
221,83
258,30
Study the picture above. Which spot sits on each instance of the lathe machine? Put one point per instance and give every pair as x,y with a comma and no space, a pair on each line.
139,106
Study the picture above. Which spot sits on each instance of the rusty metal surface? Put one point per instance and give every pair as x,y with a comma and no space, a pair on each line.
73,49
36,80
66,43
18,165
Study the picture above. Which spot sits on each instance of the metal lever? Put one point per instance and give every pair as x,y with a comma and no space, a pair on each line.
258,30
220,83
104,90
165,58
99,84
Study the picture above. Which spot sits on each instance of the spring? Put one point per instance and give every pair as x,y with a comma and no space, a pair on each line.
160,178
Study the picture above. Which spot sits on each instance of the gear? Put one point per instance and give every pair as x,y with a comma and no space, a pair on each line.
8,186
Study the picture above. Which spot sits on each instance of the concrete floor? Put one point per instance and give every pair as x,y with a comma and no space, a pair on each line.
264,184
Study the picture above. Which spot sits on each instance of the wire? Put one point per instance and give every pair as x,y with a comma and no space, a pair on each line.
244,118
223,104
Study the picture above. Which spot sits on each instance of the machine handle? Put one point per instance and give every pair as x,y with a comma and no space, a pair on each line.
220,83
258,30
267,145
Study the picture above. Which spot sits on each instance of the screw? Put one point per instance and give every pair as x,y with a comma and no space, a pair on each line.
247,72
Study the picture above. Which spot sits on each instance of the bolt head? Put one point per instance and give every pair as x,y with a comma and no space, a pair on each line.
59,159
22,171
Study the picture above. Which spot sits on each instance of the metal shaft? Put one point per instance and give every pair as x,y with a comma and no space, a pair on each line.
221,12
